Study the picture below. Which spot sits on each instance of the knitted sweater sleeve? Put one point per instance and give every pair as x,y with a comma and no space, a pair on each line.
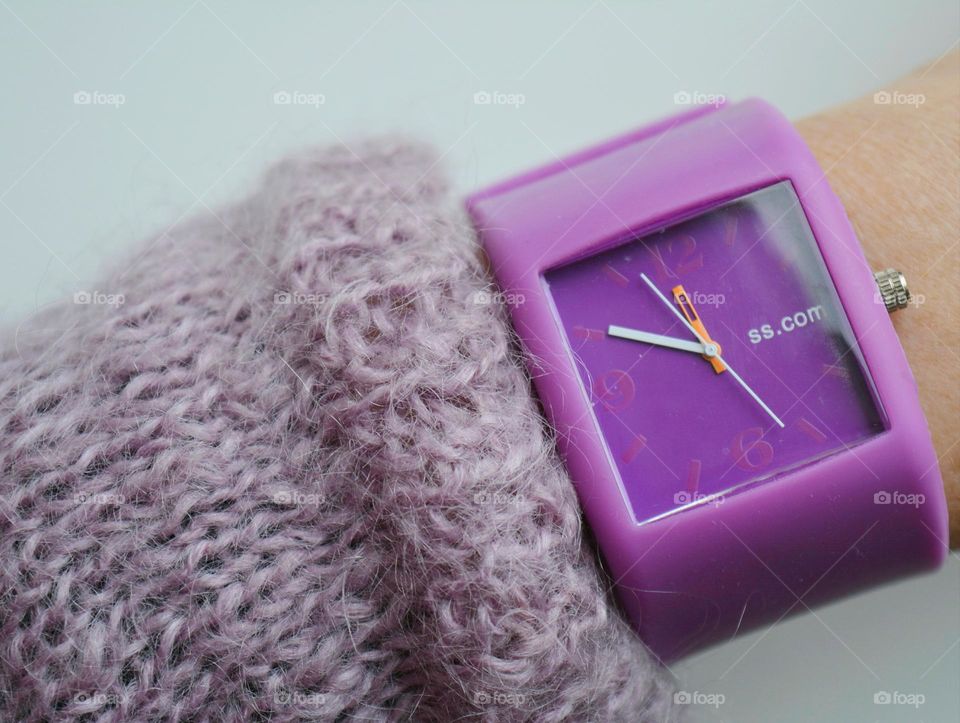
284,463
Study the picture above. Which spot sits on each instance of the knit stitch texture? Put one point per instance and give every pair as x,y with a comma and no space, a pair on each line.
286,465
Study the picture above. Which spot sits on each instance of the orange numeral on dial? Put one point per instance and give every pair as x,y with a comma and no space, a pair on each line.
615,390
750,450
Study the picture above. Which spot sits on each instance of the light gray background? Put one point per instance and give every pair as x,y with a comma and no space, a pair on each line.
78,183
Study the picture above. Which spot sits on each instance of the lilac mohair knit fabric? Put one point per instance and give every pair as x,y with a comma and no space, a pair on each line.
298,473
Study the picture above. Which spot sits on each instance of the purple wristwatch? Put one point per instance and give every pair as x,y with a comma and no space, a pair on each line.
717,359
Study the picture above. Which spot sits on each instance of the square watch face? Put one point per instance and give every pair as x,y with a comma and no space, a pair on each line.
696,342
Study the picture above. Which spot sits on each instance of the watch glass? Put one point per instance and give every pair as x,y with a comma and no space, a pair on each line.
715,353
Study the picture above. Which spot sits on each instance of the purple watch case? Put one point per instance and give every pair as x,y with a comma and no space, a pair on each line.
705,572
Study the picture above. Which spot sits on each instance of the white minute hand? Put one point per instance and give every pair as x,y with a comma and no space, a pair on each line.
693,331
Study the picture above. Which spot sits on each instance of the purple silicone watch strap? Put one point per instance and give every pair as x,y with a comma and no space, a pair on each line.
702,575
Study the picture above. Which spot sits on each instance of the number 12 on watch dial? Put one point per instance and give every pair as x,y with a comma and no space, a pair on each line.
715,353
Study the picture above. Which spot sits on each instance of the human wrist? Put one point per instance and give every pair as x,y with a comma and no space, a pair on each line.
894,166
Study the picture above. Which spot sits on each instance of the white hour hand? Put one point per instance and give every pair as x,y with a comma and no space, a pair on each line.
670,342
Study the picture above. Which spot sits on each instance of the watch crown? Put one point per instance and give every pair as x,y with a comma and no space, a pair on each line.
893,289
